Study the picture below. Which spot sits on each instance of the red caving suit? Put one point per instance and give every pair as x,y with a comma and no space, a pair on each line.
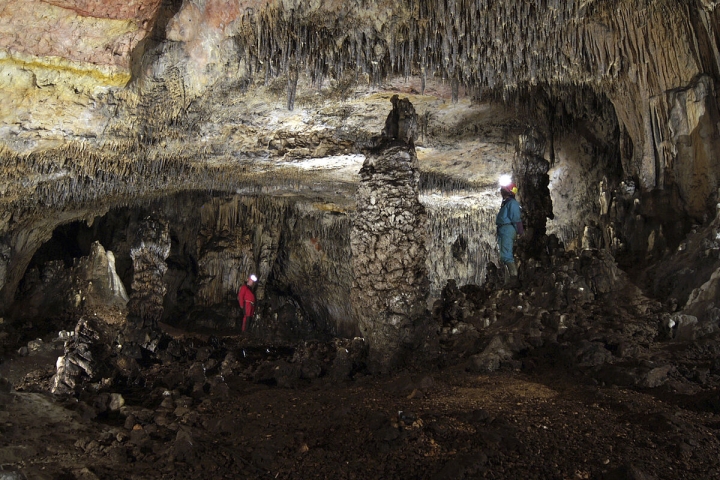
246,299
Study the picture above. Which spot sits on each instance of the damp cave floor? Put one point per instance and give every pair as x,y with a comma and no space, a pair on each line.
448,424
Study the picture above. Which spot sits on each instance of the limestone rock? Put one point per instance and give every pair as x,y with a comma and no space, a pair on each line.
388,251
85,357
494,354
151,248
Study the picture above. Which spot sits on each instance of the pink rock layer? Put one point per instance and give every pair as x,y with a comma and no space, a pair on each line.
138,10
83,31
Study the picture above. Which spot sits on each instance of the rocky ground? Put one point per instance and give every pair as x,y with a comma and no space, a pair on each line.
573,374
444,424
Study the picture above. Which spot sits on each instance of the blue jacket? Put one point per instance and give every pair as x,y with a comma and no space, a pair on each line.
509,213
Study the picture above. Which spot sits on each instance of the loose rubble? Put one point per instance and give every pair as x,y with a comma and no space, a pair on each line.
576,363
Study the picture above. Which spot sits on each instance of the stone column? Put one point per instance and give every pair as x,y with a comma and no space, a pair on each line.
149,251
530,173
387,241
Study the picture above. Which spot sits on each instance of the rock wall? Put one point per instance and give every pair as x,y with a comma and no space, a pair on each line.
460,244
238,237
313,266
299,251
695,142
59,58
55,292
530,173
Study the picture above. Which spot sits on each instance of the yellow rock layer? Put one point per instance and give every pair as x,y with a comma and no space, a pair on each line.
42,35
54,70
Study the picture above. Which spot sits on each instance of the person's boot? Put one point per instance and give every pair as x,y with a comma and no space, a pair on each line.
504,273
512,278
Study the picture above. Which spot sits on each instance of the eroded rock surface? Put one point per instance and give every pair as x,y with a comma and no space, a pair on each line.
149,252
388,244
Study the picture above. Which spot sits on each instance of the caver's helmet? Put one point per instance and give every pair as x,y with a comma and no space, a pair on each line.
510,188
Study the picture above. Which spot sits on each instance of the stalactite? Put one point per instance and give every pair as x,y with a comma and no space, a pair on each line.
505,46
292,88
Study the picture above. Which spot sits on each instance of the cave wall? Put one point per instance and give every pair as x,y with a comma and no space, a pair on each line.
313,266
638,53
299,250
460,243
694,125
59,59
111,102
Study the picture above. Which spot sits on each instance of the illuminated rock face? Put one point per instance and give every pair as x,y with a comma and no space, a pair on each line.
102,103
76,34
646,58
57,57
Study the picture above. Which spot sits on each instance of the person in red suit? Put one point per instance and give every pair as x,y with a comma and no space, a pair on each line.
246,299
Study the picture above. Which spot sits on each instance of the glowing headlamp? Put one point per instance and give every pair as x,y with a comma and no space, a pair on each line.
505,180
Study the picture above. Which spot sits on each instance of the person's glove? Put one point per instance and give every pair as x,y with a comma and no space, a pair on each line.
519,228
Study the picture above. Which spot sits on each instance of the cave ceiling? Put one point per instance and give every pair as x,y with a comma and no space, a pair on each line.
104,103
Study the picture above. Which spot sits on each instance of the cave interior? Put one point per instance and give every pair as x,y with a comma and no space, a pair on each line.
154,155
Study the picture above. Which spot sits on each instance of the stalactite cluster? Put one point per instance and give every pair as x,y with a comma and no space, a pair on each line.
460,245
477,43
78,175
633,52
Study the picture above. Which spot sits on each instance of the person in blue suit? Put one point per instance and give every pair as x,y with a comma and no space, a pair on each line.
509,225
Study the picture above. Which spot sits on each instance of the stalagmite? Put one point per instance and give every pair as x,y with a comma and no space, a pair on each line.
530,173
388,244
150,249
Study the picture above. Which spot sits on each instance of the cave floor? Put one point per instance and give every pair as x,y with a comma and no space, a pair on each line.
441,424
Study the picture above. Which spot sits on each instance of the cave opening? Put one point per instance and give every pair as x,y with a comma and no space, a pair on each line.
68,242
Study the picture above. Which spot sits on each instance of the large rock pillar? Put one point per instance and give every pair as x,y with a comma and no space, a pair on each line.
387,240
530,173
149,252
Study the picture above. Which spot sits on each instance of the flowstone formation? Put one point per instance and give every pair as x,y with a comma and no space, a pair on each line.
388,244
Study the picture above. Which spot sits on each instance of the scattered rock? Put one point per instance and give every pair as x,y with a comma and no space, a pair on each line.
116,402
490,359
